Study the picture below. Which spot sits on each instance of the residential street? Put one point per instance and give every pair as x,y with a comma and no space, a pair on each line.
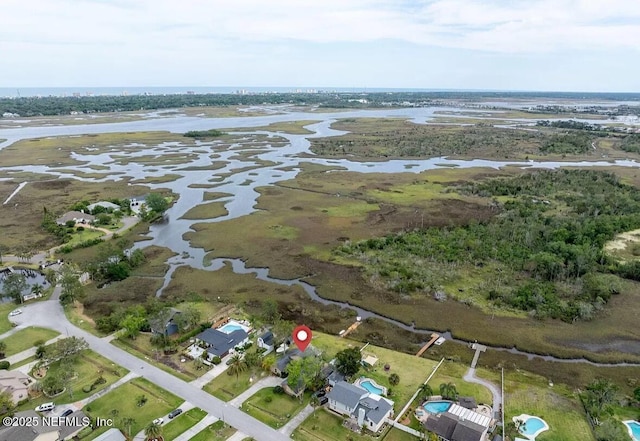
49,314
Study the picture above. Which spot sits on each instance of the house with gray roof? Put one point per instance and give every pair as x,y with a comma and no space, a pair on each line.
77,216
109,206
58,429
111,435
370,410
266,341
218,343
450,426
279,368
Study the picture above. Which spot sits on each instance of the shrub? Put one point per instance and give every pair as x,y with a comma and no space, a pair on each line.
80,229
216,360
268,399
4,364
278,390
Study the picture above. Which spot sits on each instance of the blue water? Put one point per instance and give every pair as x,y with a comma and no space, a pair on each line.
229,328
635,429
437,406
371,388
531,426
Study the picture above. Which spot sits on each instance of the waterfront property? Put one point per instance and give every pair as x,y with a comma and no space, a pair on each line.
216,343
452,422
75,216
266,341
634,429
365,409
233,325
530,426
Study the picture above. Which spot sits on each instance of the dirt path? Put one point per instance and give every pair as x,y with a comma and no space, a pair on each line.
622,240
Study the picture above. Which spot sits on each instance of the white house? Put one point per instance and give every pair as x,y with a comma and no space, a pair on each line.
370,410
266,341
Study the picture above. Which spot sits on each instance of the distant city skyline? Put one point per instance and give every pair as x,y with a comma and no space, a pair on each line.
535,45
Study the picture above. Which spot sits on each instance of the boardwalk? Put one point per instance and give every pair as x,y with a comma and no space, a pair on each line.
434,337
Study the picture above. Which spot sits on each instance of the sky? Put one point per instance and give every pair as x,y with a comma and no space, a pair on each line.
548,45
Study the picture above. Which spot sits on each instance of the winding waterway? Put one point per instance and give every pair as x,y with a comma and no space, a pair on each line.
263,166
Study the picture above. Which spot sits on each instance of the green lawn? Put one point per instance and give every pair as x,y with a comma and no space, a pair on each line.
88,367
413,371
79,237
324,426
141,348
227,387
453,372
273,409
123,401
5,309
217,431
74,316
558,405
182,423
23,362
23,339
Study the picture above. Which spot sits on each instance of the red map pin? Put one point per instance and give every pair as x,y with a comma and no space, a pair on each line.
302,337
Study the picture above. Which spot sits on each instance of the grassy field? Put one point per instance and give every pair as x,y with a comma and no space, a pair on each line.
210,210
380,139
557,405
182,423
218,431
141,348
324,426
450,372
226,387
23,339
291,127
123,399
273,409
5,309
88,367
79,237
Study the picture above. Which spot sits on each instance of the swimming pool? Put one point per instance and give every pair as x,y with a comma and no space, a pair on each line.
371,386
437,406
634,429
231,326
531,426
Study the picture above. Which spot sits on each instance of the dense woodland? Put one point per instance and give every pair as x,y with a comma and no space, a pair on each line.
543,253
37,106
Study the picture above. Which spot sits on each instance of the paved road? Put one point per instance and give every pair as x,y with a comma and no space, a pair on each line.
49,314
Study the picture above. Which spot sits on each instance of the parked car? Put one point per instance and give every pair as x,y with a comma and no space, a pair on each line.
45,407
323,401
15,312
320,393
66,413
158,421
175,413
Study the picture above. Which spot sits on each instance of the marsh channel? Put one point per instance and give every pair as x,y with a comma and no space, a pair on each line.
241,177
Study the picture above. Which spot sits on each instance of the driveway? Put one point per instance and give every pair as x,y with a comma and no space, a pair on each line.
49,314
470,377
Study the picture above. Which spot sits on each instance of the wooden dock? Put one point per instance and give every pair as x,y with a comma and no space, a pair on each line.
434,337
350,329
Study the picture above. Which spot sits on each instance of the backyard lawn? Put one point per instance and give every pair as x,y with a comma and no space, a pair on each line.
412,370
182,423
88,368
450,372
557,405
218,431
324,426
273,409
123,400
227,387
23,339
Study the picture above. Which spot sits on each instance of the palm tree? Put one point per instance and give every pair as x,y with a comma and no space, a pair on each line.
153,431
236,366
425,391
448,390
127,423
37,289
394,379
268,362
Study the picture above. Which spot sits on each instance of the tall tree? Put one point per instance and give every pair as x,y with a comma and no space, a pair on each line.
14,285
236,366
425,391
6,404
600,394
188,318
156,202
348,361
305,372
449,391
72,289
132,324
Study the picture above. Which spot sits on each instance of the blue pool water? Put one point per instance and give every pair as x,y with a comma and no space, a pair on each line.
371,388
531,426
229,328
437,406
635,429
